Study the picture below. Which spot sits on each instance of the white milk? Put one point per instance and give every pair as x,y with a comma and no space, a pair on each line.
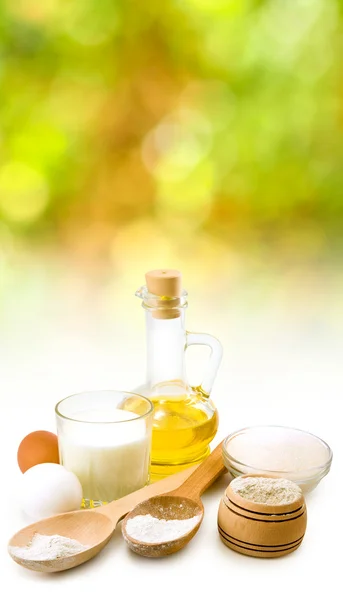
111,459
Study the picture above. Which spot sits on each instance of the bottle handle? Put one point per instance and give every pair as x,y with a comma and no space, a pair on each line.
205,339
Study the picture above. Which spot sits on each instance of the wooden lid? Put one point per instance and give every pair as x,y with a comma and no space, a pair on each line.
164,282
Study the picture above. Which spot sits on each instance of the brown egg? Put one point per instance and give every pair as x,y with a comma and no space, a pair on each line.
36,448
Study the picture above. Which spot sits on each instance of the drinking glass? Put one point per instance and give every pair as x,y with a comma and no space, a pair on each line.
104,437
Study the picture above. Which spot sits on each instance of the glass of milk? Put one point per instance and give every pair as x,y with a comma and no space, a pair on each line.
104,437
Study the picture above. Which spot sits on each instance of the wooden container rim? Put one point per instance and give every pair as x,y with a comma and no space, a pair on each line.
257,507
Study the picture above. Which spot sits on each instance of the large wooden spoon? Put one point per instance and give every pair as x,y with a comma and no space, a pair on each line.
93,528
183,503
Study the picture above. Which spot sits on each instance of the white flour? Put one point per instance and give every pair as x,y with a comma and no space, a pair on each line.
266,491
146,528
47,547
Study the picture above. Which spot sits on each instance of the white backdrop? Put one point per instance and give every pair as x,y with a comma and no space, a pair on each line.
282,365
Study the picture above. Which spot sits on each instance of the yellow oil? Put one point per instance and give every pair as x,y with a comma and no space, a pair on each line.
182,431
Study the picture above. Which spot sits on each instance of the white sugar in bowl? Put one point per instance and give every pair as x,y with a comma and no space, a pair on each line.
278,451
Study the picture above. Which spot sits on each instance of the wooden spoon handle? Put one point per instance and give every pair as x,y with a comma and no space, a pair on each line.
203,476
119,508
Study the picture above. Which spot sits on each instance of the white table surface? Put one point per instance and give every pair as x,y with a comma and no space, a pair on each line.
282,365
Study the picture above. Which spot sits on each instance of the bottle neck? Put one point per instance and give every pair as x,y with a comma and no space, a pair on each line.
166,342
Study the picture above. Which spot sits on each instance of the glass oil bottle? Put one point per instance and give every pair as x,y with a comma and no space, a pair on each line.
185,418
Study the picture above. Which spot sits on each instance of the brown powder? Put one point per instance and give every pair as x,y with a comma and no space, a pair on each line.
264,490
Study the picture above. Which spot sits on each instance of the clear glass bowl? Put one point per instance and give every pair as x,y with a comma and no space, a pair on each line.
280,451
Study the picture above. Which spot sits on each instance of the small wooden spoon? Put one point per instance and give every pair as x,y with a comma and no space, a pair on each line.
182,503
92,528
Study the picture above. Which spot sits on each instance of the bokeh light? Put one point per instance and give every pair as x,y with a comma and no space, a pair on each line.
199,120
24,194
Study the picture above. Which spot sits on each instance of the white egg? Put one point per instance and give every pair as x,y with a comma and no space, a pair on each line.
48,489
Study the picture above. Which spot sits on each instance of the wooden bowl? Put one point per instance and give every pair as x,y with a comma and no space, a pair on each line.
262,530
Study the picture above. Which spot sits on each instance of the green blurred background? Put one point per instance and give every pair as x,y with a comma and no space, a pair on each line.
201,135
183,133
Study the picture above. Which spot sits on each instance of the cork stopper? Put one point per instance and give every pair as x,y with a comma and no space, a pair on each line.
166,284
